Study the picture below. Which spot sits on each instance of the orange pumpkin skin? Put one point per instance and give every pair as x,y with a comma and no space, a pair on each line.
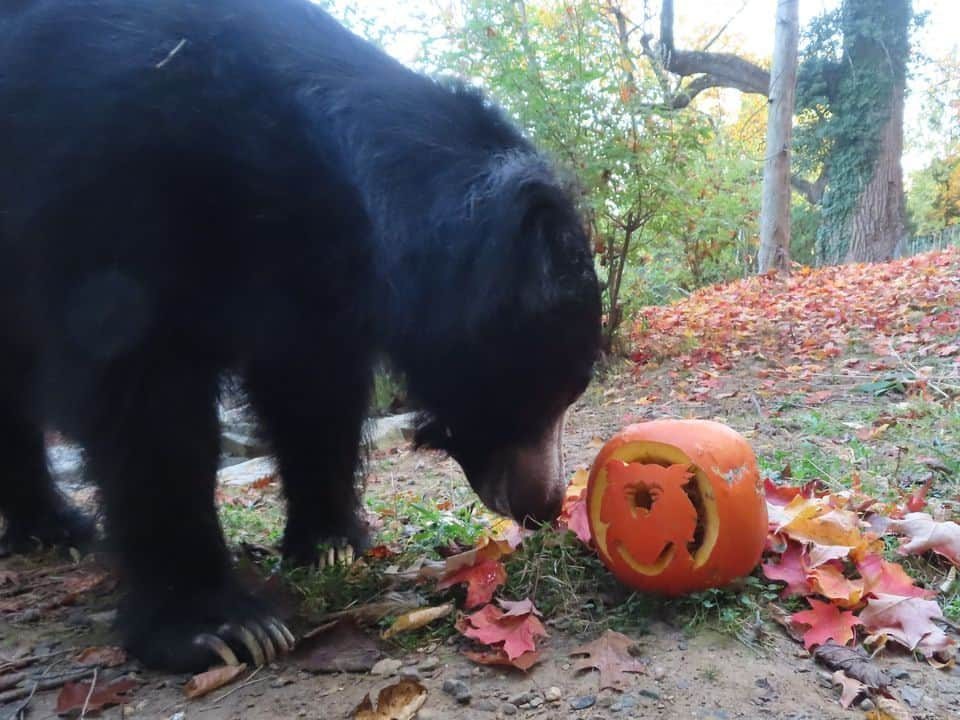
677,506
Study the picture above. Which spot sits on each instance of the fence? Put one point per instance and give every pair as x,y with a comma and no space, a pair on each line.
947,237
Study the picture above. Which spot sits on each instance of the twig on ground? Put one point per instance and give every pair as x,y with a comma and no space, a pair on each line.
48,684
86,702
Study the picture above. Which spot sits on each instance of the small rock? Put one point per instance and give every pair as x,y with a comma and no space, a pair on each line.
899,674
410,673
553,694
485,706
682,645
565,666
508,709
605,701
867,705
658,673
583,702
652,694
628,702
458,689
911,696
386,668
536,701
429,665
282,681
181,715
521,698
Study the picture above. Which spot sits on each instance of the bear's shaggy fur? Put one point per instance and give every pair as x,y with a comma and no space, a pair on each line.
194,187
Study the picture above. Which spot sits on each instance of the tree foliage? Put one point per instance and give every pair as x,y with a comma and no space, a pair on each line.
562,70
854,59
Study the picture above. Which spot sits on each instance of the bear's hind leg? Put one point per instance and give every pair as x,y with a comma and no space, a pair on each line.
36,512
153,442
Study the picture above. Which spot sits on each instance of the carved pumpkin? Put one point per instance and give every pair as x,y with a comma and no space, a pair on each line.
677,506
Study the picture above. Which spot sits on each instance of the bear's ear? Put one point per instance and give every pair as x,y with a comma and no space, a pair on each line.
537,244
550,246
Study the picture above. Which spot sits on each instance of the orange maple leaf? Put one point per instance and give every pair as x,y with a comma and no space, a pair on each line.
826,622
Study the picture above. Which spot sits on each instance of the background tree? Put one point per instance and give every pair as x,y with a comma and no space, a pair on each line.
564,70
775,209
850,94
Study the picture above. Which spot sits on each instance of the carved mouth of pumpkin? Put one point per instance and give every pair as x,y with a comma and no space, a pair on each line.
698,491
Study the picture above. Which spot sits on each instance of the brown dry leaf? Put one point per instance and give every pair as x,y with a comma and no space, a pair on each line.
784,618
888,709
399,701
206,682
497,656
105,656
417,619
74,697
852,689
854,662
610,654
338,647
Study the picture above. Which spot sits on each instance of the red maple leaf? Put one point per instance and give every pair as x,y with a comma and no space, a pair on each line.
826,622
881,576
792,569
514,631
482,580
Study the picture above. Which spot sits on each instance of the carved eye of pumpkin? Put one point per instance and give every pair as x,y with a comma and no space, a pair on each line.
677,506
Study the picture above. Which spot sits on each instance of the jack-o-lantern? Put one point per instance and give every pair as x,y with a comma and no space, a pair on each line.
677,506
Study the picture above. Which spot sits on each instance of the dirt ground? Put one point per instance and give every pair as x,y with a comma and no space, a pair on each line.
706,675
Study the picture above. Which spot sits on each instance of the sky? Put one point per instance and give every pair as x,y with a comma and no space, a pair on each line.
751,29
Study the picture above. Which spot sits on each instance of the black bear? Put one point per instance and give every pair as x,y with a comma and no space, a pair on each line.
195,187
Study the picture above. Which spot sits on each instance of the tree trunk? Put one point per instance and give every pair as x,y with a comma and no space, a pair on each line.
775,204
877,224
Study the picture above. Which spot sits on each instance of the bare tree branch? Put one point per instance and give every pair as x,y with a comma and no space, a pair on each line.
811,191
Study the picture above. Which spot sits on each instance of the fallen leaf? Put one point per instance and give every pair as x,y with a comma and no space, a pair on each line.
852,689
883,577
918,498
416,619
497,656
791,569
73,697
924,533
515,633
889,709
794,629
482,581
908,621
105,656
854,662
573,516
826,622
610,654
814,520
213,679
829,581
399,701
340,646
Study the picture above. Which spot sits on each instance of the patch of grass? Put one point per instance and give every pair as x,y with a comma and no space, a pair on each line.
336,588
419,526
256,523
737,610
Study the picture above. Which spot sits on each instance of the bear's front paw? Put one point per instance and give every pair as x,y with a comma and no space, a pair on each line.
192,630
